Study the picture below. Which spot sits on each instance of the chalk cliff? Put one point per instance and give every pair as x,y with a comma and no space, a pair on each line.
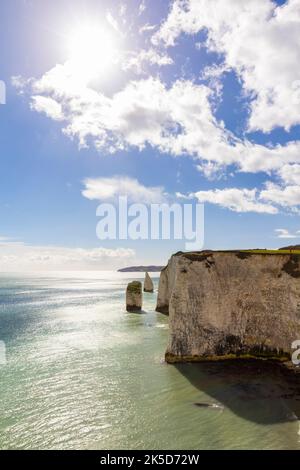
148,284
134,296
224,305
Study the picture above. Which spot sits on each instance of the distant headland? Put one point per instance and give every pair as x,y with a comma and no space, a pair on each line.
141,269
291,247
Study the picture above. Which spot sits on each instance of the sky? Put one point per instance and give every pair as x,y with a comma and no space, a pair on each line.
186,101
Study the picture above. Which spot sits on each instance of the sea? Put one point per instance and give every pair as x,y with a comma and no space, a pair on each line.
78,372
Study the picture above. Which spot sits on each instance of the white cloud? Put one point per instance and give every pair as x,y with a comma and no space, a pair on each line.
20,83
142,7
258,40
211,170
187,197
147,28
123,9
112,21
4,239
44,104
284,233
237,200
137,61
272,198
177,119
17,256
288,196
103,189
290,174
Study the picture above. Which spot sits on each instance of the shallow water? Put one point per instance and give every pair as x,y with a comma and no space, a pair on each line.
83,374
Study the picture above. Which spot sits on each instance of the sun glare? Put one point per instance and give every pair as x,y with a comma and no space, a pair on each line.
91,51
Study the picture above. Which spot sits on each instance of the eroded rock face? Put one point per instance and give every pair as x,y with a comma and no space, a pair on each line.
134,297
148,284
224,305
166,281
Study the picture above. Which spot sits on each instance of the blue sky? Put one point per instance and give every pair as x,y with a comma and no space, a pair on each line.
181,98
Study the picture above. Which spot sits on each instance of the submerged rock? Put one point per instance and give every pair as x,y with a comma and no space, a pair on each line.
209,405
226,305
134,297
148,284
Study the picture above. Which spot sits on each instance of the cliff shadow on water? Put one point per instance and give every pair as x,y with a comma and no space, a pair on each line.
257,391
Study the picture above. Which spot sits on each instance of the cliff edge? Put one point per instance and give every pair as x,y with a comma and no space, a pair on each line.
225,305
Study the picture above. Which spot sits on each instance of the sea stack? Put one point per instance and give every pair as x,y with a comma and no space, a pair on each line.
148,284
134,296
234,304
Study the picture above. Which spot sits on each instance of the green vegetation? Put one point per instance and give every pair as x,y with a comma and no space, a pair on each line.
135,287
272,252
243,254
172,358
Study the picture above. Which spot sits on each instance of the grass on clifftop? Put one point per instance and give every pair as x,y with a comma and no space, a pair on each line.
250,251
272,252
135,287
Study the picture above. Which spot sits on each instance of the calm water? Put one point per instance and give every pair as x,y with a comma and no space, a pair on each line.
83,374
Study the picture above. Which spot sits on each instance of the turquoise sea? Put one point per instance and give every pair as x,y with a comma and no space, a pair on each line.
83,374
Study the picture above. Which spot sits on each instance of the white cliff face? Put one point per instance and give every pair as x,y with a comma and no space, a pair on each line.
134,297
148,284
231,304
165,286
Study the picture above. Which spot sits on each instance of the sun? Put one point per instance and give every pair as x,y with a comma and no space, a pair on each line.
91,51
